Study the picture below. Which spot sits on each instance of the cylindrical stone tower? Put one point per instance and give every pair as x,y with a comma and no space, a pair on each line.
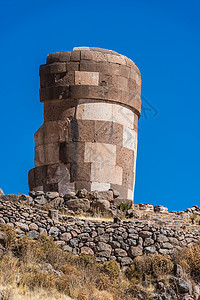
88,140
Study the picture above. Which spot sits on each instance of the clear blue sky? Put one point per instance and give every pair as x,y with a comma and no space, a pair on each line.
162,38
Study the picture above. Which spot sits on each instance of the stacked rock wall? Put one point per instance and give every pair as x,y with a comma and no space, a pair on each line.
104,239
89,137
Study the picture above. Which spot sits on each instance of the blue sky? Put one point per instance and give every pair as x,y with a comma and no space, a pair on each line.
162,38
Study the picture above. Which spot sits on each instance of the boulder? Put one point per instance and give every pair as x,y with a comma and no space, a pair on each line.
131,213
145,207
51,195
160,209
26,199
102,205
78,204
22,226
70,195
3,237
184,287
106,195
33,226
56,202
82,193
87,250
136,251
33,234
116,194
41,200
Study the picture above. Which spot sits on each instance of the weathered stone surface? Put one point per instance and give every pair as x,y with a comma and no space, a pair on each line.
136,251
102,205
78,204
84,133
87,250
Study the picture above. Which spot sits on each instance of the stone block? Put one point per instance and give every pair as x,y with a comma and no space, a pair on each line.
129,138
65,79
59,57
57,173
123,116
100,152
101,172
94,111
123,83
88,66
81,130
83,185
59,110
114,94
58,68
39,136
116,59
125,157
31,179
55,131
75,55
54,93
99,186
40,156
93,55
80,171
125,71
86,78
118,201
40,175
72,66
88,92
52,153
108,132
72,152
128,178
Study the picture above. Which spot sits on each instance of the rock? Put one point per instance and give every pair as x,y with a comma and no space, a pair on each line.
117,220
41,200
145,207
87,250
33,226
125,261
10,197
160,209
53,214
32,194
148,242
26,199
184,286
78,204
120,252
118,201
106,195
136,251
39,193
82,193
22,226
150,250
145,234
66,236
178,271
54,231
116,194
1,192
33,234
51,195
42,231
94,195
131,213
102,205
161,238
67,248
56,202
70,195
101,246
3,237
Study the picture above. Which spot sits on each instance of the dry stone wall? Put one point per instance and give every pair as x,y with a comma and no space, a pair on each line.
91,109
121,241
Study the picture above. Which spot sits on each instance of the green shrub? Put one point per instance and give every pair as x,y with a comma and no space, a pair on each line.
124,206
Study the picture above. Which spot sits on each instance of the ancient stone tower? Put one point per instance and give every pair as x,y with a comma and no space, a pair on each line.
88,140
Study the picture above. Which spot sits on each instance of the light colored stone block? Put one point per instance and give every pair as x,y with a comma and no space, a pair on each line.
100,186
129,138
123,116
116,59
101,172
100,152
130,194
86,78
95,111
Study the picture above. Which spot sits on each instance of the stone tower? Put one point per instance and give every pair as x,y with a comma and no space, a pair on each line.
88,140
